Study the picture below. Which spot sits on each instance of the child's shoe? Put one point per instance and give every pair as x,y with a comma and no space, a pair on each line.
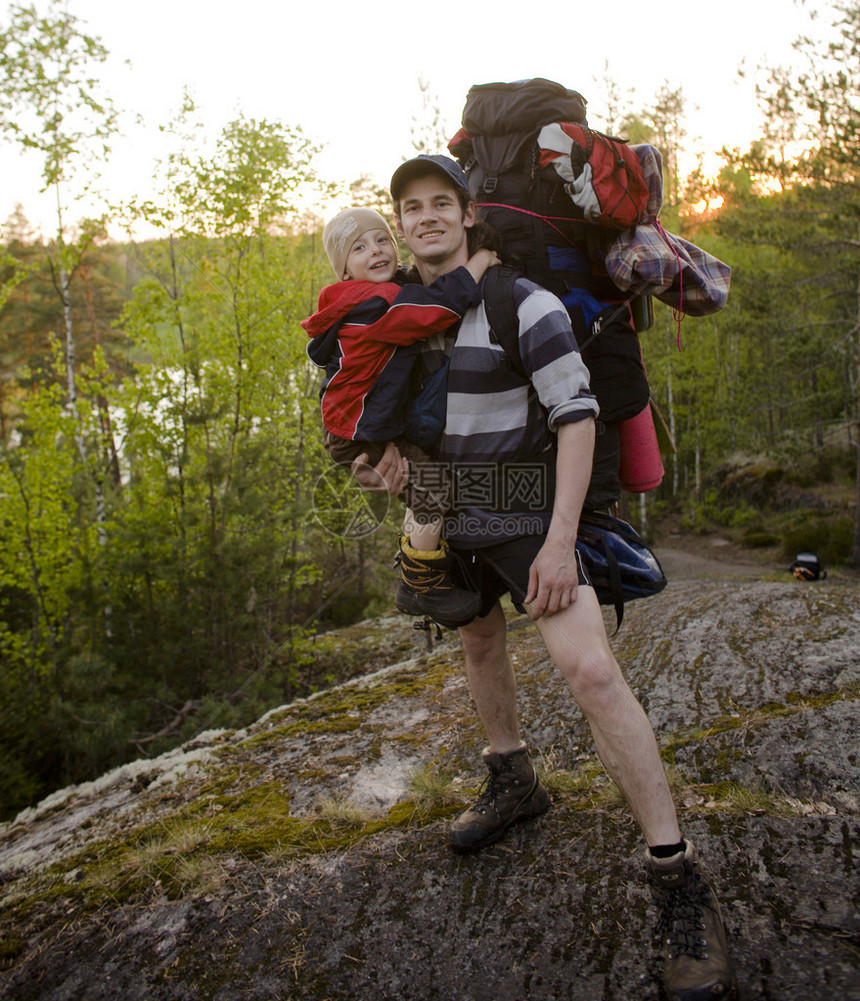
426,587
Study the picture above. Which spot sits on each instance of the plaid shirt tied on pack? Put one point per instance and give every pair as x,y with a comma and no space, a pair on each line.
650,260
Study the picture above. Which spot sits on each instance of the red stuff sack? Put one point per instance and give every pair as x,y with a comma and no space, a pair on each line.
602,175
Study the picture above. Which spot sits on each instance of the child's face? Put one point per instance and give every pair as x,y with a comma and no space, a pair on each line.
372,258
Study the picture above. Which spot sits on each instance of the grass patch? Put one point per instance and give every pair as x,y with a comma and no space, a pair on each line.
341,812
589,782
433,787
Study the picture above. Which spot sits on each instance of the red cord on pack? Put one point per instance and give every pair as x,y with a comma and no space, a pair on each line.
678,314
544,218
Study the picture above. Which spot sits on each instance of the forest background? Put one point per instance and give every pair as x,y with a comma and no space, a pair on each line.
175,541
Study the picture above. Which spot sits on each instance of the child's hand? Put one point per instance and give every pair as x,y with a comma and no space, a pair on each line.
480,261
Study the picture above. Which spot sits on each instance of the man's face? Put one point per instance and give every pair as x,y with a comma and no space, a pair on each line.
431,220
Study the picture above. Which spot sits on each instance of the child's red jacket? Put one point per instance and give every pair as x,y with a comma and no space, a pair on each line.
364,335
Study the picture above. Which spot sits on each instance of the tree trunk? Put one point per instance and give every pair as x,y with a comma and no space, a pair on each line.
855,549
66,298
818,431
673,431
698,466
72,388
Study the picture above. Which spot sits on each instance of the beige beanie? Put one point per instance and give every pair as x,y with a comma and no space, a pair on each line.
342,232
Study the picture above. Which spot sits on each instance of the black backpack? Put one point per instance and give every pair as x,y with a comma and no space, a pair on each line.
545,238
610,350
807,566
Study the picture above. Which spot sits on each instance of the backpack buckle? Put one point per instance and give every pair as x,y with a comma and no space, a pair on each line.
489,185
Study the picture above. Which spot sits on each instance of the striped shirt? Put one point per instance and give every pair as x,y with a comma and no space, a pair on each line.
499,434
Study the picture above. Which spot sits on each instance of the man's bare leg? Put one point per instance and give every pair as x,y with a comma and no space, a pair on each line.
512,791
576,641
491,679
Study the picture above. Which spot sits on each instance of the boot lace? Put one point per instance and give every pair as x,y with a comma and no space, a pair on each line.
682,918
491,788
421,577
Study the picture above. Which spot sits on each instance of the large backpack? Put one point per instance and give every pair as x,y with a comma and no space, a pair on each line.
610,349
539,199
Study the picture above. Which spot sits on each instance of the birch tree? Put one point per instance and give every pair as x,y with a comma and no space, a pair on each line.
52,104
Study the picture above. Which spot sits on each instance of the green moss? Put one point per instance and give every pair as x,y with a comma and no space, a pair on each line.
237,813
10,948
733,797
308,775
797,703
345,710
183,855
250,820
410,813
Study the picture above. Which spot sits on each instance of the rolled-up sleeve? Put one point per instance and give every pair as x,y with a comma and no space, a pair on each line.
552,359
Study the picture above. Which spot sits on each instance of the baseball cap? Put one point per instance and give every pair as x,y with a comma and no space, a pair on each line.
425,164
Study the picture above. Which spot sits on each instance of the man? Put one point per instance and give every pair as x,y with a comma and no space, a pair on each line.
496,415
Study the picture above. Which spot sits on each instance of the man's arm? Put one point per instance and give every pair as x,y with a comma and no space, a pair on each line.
420,310
553,576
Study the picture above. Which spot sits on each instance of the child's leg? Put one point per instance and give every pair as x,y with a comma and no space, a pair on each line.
344,450
428,496
422,534
426,585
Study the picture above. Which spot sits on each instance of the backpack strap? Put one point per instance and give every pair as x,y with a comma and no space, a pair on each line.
501,311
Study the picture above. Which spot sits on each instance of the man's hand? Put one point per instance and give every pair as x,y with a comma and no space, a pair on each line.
389,476
553,579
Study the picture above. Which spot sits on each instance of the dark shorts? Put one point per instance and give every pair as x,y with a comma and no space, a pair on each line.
501,569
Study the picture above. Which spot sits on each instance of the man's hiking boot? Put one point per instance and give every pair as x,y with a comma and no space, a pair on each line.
426,587
698,967
510,793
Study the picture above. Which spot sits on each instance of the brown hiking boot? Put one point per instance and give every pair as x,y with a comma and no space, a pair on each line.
426,587
698,967
510,793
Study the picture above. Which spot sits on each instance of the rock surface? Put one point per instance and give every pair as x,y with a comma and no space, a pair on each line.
305,857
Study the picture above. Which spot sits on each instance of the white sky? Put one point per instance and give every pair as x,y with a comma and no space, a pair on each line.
347,73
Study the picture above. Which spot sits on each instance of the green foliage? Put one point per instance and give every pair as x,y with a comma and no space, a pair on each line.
755,538
714,506
51,102
832,464
31,312
775,374
795,505
162,569
827,535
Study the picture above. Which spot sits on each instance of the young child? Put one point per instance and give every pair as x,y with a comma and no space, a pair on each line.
365,335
